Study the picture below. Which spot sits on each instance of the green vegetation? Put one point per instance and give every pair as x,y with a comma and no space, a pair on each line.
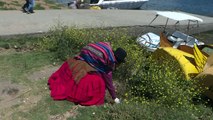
21,58
55,6
7,8
148,90
38,7
2,6
206,37
16,3
49,1
2,3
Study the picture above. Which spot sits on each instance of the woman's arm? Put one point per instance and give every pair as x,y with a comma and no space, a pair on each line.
109,84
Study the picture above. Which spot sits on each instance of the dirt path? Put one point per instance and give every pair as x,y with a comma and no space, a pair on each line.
42,74
10,93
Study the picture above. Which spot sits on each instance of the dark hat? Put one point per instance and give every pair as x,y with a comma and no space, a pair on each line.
120,55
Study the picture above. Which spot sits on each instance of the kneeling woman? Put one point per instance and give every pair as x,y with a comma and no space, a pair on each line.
84,78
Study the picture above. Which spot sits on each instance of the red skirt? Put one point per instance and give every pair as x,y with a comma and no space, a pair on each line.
89,91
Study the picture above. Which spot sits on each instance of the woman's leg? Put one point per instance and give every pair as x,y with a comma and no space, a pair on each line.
25,6
31,6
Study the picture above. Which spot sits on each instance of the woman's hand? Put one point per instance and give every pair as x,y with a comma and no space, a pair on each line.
116,100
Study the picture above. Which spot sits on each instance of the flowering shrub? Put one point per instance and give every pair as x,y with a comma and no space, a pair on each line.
67,42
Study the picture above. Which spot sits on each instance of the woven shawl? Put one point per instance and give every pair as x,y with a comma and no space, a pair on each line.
99,55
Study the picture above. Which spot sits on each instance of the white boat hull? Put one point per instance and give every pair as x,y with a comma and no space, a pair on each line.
120,4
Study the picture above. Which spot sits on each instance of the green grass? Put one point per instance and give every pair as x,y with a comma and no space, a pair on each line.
206,37
49,1
55,7
2,4
143,112
3,8
27,54
16,3
44,108
38,7
21,57
16,64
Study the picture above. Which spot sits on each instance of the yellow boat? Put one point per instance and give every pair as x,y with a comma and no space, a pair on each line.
185,60
194,62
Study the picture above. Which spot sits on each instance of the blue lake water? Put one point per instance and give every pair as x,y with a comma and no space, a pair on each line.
201,7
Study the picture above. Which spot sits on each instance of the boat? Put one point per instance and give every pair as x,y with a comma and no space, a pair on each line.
196,62
178,17
151,41
194,57
118,4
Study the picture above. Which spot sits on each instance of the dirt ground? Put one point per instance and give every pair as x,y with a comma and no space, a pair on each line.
44,73
9,93
12,94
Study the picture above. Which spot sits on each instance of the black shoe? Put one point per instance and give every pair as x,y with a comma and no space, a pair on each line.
26,11
31,11
23,10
